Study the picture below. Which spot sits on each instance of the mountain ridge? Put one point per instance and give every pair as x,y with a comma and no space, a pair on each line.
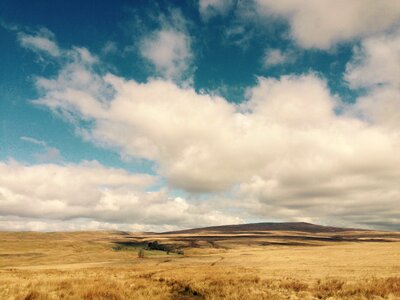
267,226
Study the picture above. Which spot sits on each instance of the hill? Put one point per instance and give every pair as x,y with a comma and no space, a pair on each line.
270,226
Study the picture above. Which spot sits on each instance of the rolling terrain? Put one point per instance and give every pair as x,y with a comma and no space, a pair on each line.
250,261
270,226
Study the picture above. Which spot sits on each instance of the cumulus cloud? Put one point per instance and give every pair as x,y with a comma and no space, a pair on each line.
376,62
169,51
375,68
91,196
169,48
284,153
42,42
14,223
315,24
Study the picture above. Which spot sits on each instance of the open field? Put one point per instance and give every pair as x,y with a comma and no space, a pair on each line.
230,263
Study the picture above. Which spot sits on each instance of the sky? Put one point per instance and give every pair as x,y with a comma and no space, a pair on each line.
164,115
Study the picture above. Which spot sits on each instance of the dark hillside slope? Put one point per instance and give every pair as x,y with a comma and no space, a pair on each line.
288,226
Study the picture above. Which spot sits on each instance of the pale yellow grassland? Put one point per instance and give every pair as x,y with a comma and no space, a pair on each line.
84,265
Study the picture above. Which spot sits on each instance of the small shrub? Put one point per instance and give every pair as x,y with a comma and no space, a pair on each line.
141,253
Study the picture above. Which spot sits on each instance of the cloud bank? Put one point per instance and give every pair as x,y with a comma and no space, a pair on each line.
91,196
321,24
284,153
291,150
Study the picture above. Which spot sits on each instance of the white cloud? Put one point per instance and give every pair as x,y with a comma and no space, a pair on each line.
91,196
169,51
283,154
376,68
285,151
169,48
376,62
41,42
211,8
41,224
321,24
273,57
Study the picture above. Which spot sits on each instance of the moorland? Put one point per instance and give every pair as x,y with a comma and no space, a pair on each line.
250,261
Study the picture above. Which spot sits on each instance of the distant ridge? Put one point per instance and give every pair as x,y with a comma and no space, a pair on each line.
270,226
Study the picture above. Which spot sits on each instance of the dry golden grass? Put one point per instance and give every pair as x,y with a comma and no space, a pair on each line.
203,283
84,266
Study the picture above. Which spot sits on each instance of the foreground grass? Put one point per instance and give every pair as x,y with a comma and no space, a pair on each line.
216,283
87,266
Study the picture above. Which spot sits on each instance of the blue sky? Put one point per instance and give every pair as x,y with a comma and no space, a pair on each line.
232,112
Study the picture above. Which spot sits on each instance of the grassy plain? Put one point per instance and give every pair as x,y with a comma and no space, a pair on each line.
215,265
